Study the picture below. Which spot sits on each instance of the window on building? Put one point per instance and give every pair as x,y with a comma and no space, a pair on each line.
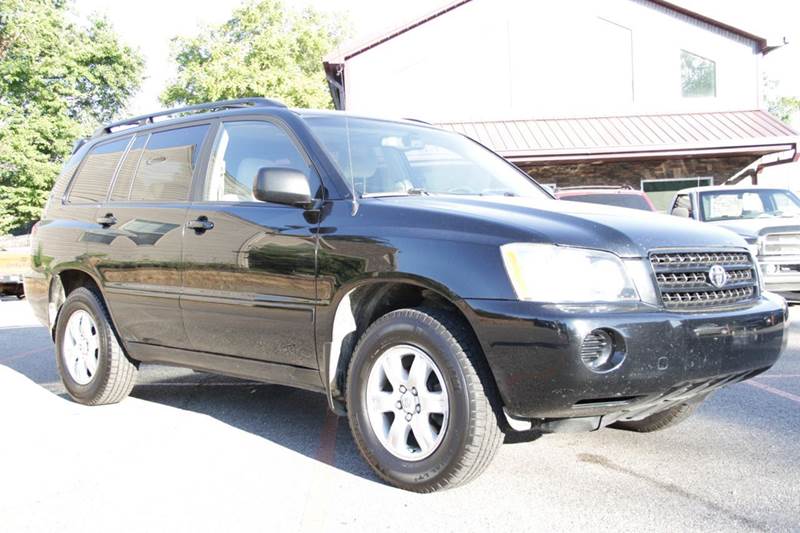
241,149
91,183
164,172
698,76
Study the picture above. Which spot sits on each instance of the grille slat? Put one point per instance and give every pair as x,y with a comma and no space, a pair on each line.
781,244
684,279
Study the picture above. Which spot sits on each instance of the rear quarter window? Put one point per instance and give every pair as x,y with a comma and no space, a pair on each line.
122,185
166,166
90,185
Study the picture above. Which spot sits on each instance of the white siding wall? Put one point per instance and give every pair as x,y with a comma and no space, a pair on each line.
513,58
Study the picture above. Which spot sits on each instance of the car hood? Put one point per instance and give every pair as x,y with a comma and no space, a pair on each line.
753,228
625,232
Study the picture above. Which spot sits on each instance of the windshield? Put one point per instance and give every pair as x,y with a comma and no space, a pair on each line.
387,158
748,203
631,201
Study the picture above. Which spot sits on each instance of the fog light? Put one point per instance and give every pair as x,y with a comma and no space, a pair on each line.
602,351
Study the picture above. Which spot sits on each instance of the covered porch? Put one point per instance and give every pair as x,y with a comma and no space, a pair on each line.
656,153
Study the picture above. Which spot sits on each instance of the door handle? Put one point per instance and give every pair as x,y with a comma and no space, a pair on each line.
200,225
107,221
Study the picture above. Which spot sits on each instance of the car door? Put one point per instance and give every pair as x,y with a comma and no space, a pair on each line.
249,286
136,247
78,233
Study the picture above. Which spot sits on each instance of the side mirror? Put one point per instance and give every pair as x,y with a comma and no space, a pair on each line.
279,185
680,212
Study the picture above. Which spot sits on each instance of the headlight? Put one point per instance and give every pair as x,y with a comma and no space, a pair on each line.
558,274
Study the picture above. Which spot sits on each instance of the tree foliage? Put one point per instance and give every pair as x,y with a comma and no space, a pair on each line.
58,80
784,107
264,49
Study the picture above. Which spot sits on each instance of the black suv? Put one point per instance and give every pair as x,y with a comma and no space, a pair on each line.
436,294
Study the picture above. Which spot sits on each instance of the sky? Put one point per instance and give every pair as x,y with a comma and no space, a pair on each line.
149,25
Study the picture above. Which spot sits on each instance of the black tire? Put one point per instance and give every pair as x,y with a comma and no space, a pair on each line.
115,374
661,420
472,436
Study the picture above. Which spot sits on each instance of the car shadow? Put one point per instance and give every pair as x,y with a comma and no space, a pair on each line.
292,418
295,419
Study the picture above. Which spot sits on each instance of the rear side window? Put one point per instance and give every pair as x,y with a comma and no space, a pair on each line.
683,200
122,186
164,171
94,176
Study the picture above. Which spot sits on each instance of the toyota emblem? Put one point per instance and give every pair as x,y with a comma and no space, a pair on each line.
717,276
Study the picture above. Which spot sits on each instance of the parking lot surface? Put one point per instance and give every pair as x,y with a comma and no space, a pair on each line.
196,452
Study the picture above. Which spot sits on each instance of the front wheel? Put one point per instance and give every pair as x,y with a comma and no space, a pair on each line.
419,401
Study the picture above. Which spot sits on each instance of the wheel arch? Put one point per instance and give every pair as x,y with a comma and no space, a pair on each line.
358,305
62,283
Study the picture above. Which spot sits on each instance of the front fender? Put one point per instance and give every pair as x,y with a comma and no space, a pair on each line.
337,325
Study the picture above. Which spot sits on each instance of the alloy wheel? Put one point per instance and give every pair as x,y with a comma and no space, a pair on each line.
407,402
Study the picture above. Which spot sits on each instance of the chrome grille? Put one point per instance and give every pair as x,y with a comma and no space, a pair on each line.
781,244
684,279
700,258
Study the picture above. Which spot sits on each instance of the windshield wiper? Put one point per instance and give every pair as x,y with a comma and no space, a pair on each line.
414,191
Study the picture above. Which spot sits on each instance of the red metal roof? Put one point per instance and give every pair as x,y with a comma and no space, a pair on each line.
632,136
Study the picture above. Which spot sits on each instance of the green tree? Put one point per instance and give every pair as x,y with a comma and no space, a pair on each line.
784,107
264,49
58,80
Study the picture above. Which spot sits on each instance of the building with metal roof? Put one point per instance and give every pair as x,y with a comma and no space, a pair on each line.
637,92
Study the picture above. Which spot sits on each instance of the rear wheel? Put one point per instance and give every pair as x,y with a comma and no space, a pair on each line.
661,420
91,362
418,397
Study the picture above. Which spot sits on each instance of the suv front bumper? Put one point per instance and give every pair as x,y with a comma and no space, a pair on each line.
534,353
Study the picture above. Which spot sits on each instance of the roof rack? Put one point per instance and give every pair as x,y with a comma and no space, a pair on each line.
141,120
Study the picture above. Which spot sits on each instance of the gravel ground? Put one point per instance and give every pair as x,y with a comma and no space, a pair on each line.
195,452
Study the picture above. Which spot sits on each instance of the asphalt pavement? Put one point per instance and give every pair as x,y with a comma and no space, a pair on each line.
197,452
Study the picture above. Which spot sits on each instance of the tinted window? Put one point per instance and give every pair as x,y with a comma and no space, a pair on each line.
122,186
94,176
241,149
631,201
165,169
